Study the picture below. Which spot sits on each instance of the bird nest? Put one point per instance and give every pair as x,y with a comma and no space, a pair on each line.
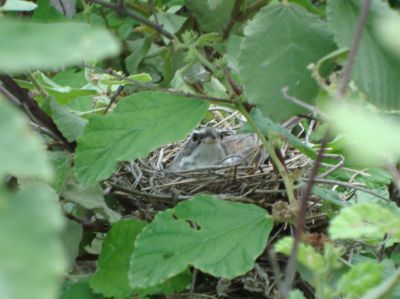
150,180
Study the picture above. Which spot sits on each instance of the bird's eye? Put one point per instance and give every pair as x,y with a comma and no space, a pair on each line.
195,137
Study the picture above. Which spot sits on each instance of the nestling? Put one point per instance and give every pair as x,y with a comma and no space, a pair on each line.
204,148
208,147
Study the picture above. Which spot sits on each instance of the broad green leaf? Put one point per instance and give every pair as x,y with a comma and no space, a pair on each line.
232,51
329,195
366,220
31,255
375,71
50,46
21,152
70,124
216,237
47,13
280,42
71,237
79,290
359,280
111,278
270,128
140,48
63,94
387,289
170,22
62,165
18,5
306,255
376,178
71,77
296,294
307,4
89,197
172,285
140,123
211,18
357,125
387,30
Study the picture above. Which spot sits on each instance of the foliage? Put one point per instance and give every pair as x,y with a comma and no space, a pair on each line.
88,85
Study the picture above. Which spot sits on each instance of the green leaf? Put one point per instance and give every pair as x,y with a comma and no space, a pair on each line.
296,294
375,71
63,94
27,157
306,255
169,21
71,236
211,18
89,197
357,125
280,42
72,77
269,128
47,13
50,46
387,30
140,123
79,290
329,195
172,285
31,255
387,289
70,124
359,279
216,237
111,278
18,5
367,220
140,49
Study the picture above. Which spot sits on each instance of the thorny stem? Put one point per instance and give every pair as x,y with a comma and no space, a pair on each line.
290,268
291,265
287,180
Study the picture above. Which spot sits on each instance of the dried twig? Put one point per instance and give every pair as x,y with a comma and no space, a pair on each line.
135,16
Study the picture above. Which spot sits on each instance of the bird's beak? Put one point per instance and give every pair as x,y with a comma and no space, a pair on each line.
210,140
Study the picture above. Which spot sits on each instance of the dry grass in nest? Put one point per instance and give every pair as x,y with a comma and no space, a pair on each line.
150,179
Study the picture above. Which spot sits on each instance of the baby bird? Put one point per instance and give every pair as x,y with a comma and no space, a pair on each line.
204,148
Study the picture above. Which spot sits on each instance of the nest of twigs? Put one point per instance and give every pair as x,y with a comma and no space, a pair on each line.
258,182
152,186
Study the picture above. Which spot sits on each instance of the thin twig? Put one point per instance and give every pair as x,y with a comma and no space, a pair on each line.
148,86
234,17
354,49
302,103
114,97
9,95
347,185
256,6
135,16
154,11
10,87
291,265
287,180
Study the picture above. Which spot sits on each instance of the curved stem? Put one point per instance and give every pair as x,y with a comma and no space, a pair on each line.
287,180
